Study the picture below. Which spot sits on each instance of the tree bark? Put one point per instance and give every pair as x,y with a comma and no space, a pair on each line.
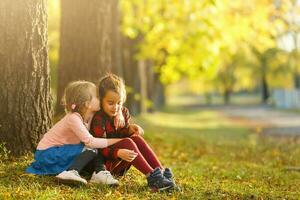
130,66
89,44
25,111
116,40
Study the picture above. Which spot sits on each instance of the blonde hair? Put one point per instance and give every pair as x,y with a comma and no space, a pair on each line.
111,82
76,94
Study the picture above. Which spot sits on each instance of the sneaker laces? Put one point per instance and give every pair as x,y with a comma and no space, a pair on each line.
168,173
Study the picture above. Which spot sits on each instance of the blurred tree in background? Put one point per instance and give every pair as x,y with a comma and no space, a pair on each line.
89,42
225,42
227,46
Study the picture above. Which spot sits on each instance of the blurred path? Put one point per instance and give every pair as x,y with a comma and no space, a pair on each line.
268,119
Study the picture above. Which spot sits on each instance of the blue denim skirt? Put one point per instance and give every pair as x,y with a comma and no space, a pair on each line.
55,159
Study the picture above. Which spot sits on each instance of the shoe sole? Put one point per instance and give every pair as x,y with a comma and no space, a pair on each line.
70,182
153,189
111,185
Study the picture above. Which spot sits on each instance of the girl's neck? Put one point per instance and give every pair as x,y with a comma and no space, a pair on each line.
88,116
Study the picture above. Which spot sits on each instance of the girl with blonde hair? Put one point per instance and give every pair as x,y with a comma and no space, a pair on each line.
68,146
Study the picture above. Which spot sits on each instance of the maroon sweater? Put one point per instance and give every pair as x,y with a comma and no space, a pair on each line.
102,126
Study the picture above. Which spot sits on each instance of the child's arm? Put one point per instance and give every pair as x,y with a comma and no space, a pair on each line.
130,128
125,130
76,125
119,121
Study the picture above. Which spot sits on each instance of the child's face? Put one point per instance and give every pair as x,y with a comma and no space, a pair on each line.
111,103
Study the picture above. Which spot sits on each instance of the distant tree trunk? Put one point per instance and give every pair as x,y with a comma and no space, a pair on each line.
159,99
87,42
292,61
295,59
264,82
143,86
265,89
226,96
25,111
227,81
130,72
296,80
150,84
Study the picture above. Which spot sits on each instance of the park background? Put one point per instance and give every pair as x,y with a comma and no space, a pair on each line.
214,83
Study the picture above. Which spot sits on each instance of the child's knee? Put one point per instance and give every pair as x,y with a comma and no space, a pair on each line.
130,144
138,140
128,141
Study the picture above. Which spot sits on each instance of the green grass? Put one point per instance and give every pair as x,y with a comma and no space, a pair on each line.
212,158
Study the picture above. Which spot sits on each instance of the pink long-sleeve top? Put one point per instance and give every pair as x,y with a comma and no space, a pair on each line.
70,130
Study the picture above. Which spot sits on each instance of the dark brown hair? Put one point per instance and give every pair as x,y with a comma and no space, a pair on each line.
112,82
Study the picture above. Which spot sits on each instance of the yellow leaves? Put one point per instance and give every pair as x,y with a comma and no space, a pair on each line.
28,175
174,46
192,38
180,156
108,193
130,32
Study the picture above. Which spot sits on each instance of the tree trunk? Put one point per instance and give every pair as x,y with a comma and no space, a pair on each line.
296,80
143,86
25,113
150,84
226,96
87,42
117,67
295,60
158,99
130,66
265,88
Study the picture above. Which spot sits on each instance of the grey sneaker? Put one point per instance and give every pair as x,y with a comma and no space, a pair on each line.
157,182
169,175
71,176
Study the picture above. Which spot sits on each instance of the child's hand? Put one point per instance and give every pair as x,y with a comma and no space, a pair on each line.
127,155
119,121
136,129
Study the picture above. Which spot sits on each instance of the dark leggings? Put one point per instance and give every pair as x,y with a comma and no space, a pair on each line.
86,157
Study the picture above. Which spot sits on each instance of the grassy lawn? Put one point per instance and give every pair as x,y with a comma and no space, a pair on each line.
212,158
